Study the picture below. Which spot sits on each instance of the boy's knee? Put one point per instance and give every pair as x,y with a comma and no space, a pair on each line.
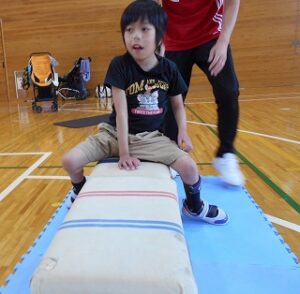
67,161
192,167
70,161
188,167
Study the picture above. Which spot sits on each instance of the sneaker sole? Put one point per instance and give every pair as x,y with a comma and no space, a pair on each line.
204,219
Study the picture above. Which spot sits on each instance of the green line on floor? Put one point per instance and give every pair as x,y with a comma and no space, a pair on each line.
25,167
256,170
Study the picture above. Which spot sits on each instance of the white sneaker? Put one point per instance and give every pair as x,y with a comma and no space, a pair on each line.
228,167
71,198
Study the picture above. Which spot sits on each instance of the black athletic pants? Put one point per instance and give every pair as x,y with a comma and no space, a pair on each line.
225,87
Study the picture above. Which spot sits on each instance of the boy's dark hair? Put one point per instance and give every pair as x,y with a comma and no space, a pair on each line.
141,10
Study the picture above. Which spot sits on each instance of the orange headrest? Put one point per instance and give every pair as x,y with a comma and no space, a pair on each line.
42,73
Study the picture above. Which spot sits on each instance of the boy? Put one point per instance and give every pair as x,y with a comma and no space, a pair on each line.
143,86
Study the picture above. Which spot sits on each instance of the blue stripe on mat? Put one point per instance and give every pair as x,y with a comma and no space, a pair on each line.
245,256
122,223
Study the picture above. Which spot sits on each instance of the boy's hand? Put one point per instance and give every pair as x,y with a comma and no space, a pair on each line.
129,163
184,142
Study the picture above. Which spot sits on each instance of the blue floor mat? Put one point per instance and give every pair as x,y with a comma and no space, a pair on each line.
245,256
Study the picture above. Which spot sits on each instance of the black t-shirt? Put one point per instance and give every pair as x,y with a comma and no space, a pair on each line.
147,93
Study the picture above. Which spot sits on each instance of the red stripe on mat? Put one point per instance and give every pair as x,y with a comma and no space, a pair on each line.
128,194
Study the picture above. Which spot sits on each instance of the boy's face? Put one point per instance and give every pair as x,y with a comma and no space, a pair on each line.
140,40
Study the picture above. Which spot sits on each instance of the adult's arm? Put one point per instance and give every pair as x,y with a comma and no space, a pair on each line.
218,54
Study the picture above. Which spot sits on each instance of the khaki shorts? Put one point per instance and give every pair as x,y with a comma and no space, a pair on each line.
151,146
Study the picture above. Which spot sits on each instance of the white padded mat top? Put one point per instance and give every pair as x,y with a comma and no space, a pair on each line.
146,169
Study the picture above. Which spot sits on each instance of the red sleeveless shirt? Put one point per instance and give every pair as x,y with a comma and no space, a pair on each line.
192,22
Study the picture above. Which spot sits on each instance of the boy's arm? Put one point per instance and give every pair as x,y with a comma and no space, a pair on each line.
183,140
125,161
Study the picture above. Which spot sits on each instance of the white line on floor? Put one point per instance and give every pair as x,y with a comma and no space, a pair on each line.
25,174
240,100
283,223
252,133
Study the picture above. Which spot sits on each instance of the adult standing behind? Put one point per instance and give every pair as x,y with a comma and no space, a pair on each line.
198,33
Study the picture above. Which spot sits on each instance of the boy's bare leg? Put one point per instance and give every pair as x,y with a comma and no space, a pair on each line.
74,162
187,169
194,207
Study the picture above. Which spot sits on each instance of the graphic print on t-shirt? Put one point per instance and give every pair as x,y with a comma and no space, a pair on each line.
148,102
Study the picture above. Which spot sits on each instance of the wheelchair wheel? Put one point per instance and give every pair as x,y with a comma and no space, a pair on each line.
38,109
54,107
